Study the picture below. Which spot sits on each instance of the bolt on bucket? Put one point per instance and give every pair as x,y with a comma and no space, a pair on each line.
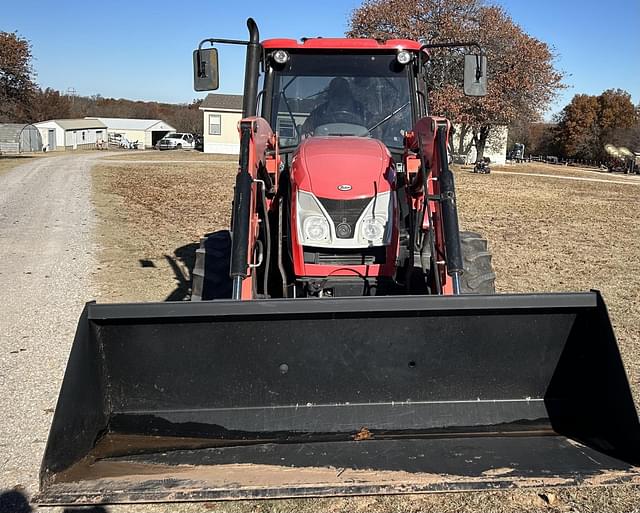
302,398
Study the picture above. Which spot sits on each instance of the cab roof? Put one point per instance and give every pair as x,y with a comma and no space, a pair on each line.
341,44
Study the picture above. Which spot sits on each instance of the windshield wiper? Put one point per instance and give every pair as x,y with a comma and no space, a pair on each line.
384,120
286,102
293,119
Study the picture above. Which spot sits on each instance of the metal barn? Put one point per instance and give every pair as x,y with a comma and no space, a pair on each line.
146,131
19,138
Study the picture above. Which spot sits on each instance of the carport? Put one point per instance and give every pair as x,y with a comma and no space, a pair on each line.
146,131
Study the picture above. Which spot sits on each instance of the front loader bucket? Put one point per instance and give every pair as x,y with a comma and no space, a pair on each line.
299,398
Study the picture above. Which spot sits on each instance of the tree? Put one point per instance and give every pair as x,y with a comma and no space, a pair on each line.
16,78
590,122
522,76
187,118
617,116
578,127
49,104
538,138
628,137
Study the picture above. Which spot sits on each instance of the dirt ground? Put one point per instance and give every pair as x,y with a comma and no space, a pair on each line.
546,234
8,162
46,250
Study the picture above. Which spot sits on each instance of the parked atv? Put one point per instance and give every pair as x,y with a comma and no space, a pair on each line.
482,166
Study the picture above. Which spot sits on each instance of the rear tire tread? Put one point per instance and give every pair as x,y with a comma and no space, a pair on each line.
211,272
478,276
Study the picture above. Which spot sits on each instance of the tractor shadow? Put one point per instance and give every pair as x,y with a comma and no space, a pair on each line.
14,501
182,263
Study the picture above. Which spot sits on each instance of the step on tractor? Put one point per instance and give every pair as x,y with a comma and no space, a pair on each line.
343,337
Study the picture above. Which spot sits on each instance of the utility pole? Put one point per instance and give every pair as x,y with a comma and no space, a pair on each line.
71,93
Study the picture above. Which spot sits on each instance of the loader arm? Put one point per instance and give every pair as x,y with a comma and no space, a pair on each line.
256,140
434,200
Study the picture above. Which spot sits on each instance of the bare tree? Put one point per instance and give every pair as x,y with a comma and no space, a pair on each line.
522,76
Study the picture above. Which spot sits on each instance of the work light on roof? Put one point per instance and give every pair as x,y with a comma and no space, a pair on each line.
404,57
280,56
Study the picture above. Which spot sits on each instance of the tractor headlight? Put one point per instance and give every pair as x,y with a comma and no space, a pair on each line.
314,228
372,229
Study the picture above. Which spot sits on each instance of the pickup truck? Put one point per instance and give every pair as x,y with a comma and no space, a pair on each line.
176,141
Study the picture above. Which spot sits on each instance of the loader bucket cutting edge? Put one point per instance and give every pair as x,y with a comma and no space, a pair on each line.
299,398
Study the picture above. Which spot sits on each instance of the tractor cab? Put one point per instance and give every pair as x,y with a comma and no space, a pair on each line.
342,88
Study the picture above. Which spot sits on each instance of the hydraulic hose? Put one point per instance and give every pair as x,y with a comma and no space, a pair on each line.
424,172
241,215
449,212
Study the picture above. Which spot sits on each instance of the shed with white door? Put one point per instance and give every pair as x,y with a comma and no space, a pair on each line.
71,134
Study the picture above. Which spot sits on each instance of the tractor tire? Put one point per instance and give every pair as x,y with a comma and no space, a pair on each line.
211,271
478,276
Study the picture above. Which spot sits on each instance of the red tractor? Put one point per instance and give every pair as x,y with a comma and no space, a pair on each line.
285,390
344,187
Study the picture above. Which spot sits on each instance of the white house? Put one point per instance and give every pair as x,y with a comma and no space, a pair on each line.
222,112
495,148
146,131
71,134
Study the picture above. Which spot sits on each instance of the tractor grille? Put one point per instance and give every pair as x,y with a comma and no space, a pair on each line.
335,256
345,212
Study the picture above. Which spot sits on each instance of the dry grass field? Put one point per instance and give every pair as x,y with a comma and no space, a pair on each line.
151,217
546,233
7,163
167,155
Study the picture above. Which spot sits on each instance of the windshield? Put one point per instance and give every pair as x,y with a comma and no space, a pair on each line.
341,94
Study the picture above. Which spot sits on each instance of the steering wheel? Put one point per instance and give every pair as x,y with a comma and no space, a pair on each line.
343,116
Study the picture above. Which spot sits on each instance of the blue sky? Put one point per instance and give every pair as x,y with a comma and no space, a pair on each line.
142,50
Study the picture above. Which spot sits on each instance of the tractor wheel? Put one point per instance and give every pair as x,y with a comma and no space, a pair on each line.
478,276
211,272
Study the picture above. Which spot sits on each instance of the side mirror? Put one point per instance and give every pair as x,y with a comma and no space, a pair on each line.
205,69
475,75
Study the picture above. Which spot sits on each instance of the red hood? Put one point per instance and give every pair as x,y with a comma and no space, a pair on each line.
322,164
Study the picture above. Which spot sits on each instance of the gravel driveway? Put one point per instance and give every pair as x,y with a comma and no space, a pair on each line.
46,255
